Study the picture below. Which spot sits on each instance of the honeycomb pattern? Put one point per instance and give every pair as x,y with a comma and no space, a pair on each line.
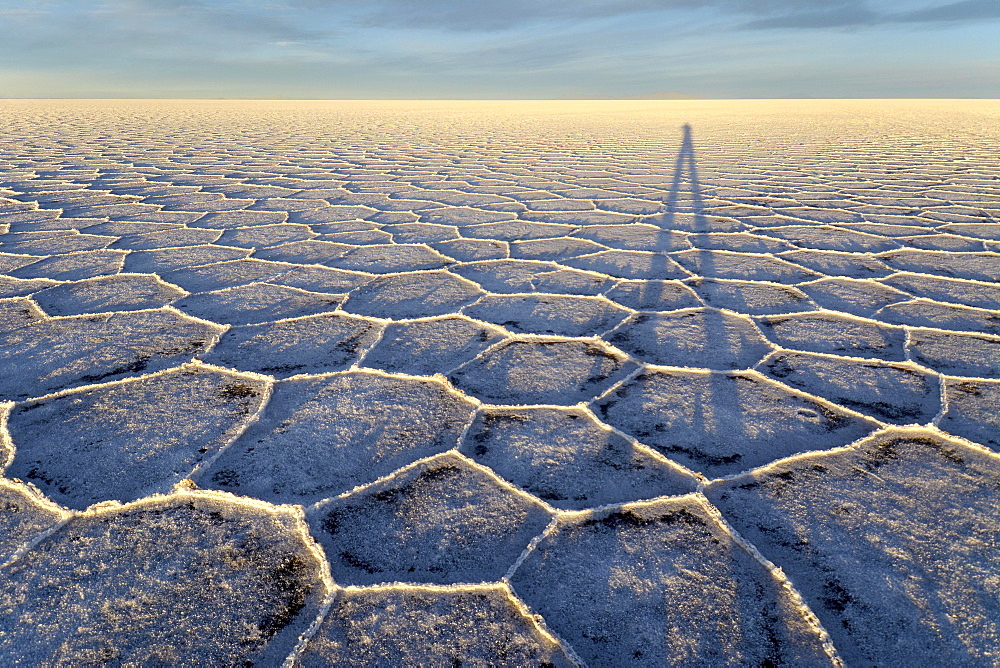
707,383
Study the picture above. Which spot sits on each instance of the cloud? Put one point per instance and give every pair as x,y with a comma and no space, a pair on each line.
484,16
259,19
456,15
858,14
497,15
854,14
966,10
129,35
478,48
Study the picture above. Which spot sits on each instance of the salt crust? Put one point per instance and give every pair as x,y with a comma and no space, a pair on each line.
757,384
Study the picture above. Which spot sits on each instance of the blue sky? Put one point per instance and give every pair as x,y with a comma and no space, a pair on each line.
499,49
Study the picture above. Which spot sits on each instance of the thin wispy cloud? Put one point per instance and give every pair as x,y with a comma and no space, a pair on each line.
858,14
515,48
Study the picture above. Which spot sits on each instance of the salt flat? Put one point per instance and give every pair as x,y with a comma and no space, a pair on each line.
500,383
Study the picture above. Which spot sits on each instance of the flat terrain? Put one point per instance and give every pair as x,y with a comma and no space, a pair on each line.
500,383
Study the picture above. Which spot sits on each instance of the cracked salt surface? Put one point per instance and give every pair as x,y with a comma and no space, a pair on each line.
442,383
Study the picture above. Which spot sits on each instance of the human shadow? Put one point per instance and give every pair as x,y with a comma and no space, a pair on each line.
692,207
683,199
684,209
716,410
686,170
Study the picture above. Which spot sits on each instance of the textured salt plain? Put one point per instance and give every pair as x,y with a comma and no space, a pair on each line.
500,383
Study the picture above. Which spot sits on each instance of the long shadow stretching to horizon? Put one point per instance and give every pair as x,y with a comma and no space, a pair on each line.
686,162
708,413
685,170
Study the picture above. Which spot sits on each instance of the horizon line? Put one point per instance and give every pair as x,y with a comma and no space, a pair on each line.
481,99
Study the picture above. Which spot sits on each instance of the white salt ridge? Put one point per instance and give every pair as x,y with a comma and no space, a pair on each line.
741,266
358,240
57,353
442,625
568,458
956,353
751,297
971,410
412,295
704,337
321,435
927,313
309,344
120,292
17,312
257,302
720,422
166,259
217,275
693,594
383,259
542,370
835,333
900,504
16,287
654,295
561,315
74,266
258,582
899,392
127,439
634,236
391,530
856,296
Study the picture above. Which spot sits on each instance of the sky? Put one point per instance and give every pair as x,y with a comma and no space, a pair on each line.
499,49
